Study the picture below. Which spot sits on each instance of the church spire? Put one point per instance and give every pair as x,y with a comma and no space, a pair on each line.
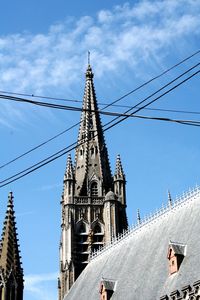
93,202
10,264
91,160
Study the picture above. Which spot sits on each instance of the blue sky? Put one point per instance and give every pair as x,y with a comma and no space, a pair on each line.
43,51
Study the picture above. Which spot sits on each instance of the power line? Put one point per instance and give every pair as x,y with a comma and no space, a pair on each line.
79,109
75,100
144,106
75,108
73,145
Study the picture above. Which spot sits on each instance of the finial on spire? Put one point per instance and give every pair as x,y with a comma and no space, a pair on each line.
88,58
169,199
138,217
10,201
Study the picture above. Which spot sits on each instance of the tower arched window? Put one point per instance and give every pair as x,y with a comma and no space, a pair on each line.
97,229
94,189
82,228
92,150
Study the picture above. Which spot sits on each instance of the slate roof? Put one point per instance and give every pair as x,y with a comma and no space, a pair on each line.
138,261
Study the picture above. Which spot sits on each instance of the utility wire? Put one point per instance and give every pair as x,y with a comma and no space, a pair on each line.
79,109
166,85
75,100
73,146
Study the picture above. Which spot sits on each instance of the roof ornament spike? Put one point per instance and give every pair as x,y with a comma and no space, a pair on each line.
88,58
118,168
138,217
89,73
9,250
69,173
170,203
10,201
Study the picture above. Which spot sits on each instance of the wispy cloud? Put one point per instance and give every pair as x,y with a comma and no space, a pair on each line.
119,38
26,213
49,187
37,286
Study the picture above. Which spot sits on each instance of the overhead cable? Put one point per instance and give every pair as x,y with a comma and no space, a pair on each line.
74,145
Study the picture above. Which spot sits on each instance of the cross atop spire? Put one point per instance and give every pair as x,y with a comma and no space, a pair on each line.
88,58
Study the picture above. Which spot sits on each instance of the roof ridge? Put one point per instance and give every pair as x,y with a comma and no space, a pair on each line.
184,198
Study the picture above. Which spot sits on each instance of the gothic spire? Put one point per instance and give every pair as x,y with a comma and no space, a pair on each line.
91,160
119,173
69,172
9,252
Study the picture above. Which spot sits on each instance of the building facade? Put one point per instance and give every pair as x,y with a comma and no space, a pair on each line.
11,272
93,201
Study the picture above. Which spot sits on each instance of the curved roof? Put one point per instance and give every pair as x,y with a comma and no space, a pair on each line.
110,196
138,262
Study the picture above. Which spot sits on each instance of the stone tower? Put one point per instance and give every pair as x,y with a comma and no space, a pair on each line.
93,201
11,272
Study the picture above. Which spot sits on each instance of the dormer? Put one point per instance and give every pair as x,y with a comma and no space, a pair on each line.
176,254
107,288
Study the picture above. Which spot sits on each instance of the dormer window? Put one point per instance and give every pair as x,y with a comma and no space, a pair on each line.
107,288
176,254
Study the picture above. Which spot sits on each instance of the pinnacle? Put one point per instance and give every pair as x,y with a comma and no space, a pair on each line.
138,216
69,168
118,169
9,251
169,198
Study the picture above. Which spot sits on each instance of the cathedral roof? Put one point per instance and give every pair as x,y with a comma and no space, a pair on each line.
138,261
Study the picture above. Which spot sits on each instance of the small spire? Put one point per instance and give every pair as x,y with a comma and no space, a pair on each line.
138,217
118,168
9,251
170,203
69,173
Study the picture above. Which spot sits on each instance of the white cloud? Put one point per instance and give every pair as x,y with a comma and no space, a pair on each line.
126,36
49,187
37,286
